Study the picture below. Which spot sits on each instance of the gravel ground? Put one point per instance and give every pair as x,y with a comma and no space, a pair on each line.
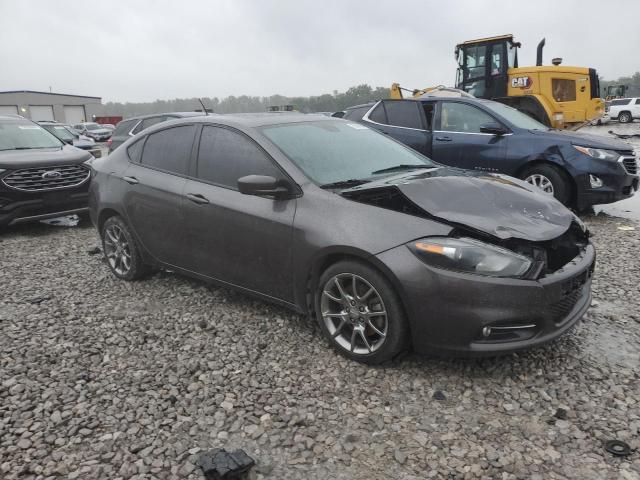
105,379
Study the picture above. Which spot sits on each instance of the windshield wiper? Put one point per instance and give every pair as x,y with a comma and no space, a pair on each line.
353,182
402,167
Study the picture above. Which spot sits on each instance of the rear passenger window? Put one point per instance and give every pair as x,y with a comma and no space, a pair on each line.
148,122
169,149
135,151
225,156
124,127
624,101
356,113
378,114
403,113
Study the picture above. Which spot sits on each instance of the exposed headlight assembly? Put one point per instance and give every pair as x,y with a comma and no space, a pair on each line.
599,153
470,256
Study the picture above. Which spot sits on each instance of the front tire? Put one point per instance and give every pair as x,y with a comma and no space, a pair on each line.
360,313
550,180
625,117
122,250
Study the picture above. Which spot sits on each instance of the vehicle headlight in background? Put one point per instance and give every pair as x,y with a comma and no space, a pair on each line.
470,256
599,153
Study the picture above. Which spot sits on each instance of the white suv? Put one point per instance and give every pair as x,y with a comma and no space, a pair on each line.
624,109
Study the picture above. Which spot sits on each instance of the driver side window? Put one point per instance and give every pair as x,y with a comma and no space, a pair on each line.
459,117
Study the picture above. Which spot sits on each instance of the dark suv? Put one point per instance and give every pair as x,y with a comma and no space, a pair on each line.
579,170
129,127
40,176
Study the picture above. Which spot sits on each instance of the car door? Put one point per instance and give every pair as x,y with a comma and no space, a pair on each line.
636,108
402,120
458,141
153,202
240,239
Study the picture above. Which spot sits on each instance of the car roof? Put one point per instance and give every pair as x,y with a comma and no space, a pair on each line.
370,104
250,120
177,114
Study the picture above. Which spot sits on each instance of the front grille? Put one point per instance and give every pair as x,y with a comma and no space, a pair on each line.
630,165
561,308
47,178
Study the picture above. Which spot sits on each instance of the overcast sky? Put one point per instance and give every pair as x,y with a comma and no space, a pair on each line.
145,50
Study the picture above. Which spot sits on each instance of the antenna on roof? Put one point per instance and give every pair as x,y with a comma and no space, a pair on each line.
204,109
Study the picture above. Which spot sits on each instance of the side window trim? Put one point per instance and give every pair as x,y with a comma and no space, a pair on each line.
196,158
367,119
131,134
439,124
190,160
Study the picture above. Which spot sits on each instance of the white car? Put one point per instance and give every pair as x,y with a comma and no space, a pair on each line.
624,109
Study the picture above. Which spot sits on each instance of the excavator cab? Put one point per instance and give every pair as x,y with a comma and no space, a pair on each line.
483,65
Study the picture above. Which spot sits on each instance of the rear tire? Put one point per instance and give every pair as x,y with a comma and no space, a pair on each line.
625,117
353,320
122,251
550,179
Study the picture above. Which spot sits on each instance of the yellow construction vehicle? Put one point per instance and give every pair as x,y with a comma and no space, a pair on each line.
615,91
556,95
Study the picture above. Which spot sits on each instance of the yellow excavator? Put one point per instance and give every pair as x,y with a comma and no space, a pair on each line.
559,96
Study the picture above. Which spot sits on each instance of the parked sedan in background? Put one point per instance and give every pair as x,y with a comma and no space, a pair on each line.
579,170
381,246
93,130
129,127
40,176
70,136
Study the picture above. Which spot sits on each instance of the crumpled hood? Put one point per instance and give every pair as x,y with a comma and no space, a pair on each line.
498,205
585,139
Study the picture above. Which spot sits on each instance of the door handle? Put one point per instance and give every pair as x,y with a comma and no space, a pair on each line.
131,180
443,139
197,198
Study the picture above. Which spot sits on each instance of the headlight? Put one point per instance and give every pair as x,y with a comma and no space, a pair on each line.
599,153
471,256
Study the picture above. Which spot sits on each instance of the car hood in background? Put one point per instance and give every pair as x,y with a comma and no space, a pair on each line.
585,139
15,159
498,205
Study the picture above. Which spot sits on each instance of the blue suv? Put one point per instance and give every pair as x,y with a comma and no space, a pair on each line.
579,170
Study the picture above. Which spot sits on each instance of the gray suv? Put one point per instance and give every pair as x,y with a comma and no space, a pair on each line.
129,127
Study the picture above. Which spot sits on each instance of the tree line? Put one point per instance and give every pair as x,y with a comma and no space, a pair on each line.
248,104
321,103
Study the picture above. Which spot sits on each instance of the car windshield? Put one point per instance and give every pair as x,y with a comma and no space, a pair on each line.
93,126
516,117
25,136
59,131
338,151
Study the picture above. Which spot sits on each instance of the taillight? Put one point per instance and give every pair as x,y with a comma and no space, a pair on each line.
109,142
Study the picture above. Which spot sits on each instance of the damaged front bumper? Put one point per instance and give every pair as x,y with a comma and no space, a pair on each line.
466,314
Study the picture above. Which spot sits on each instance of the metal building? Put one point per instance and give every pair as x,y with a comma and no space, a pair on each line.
50,106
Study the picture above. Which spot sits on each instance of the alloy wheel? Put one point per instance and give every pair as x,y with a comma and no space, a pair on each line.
354,313
117,249
542,182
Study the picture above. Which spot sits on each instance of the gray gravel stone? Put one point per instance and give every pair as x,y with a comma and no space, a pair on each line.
106,379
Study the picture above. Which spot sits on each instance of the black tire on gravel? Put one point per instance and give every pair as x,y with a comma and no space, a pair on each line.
396,340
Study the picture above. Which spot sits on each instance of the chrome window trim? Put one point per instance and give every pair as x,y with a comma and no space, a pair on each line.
472,133
131,134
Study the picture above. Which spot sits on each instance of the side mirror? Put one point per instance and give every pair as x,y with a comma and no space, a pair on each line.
264,186
493,128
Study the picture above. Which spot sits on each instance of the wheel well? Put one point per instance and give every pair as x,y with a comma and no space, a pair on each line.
571,181
326,261
104,216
